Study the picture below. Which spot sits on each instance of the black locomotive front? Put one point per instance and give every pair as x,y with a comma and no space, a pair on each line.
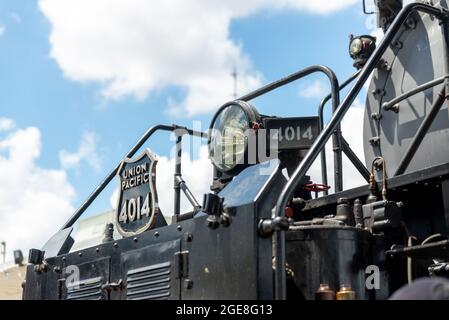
266,231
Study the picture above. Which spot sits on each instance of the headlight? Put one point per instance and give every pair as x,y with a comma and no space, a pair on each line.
228,139
361,48
355,47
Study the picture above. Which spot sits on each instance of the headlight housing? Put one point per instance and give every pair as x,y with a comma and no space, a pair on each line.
228,135
361,48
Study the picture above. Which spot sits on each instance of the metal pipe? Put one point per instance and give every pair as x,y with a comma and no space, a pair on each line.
338,158
319,144
130,153
321,117
420,134
3,244
177,175
355,160
293,77
444,29
189,195
388,105
335,95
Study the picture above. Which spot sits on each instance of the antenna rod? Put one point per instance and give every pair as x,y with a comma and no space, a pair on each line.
235,76
4,251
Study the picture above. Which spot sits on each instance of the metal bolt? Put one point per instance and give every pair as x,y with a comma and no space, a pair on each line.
189,237
179,228
374,140
80,254
394,108
156,234
212,222
410,23
135,239
115,244
225,220
383,64
378,92
97,250
398,44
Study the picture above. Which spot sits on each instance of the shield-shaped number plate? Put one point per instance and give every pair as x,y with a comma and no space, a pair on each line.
137,206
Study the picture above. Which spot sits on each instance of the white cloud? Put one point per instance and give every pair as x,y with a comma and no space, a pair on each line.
352,129
197,173
34,201
134,47
2,30
113,199
6,124
87,151
314,90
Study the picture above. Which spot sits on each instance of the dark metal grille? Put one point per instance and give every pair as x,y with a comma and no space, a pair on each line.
89,289
149,283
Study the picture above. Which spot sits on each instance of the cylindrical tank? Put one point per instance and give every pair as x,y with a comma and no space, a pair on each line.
414,58
332,255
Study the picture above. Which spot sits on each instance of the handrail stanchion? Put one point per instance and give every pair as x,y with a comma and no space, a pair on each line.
321,117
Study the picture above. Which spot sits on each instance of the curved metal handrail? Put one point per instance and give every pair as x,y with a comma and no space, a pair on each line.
132,152
334,95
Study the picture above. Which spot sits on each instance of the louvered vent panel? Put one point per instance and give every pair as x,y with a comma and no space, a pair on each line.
149,283
89,289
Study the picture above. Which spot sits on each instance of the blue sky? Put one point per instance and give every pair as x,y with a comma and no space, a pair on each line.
81,132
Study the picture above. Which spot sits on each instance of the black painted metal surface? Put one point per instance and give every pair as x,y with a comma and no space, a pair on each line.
329,255
186,260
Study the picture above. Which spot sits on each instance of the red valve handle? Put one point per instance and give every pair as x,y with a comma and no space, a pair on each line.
316,187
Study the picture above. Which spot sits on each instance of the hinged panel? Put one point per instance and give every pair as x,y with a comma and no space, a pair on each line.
182,264
151,273
85,281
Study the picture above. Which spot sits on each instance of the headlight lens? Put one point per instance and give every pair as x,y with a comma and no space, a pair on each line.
228,137
355,46
361,48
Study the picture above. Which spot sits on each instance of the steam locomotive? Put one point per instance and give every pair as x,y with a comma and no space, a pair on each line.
265,231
